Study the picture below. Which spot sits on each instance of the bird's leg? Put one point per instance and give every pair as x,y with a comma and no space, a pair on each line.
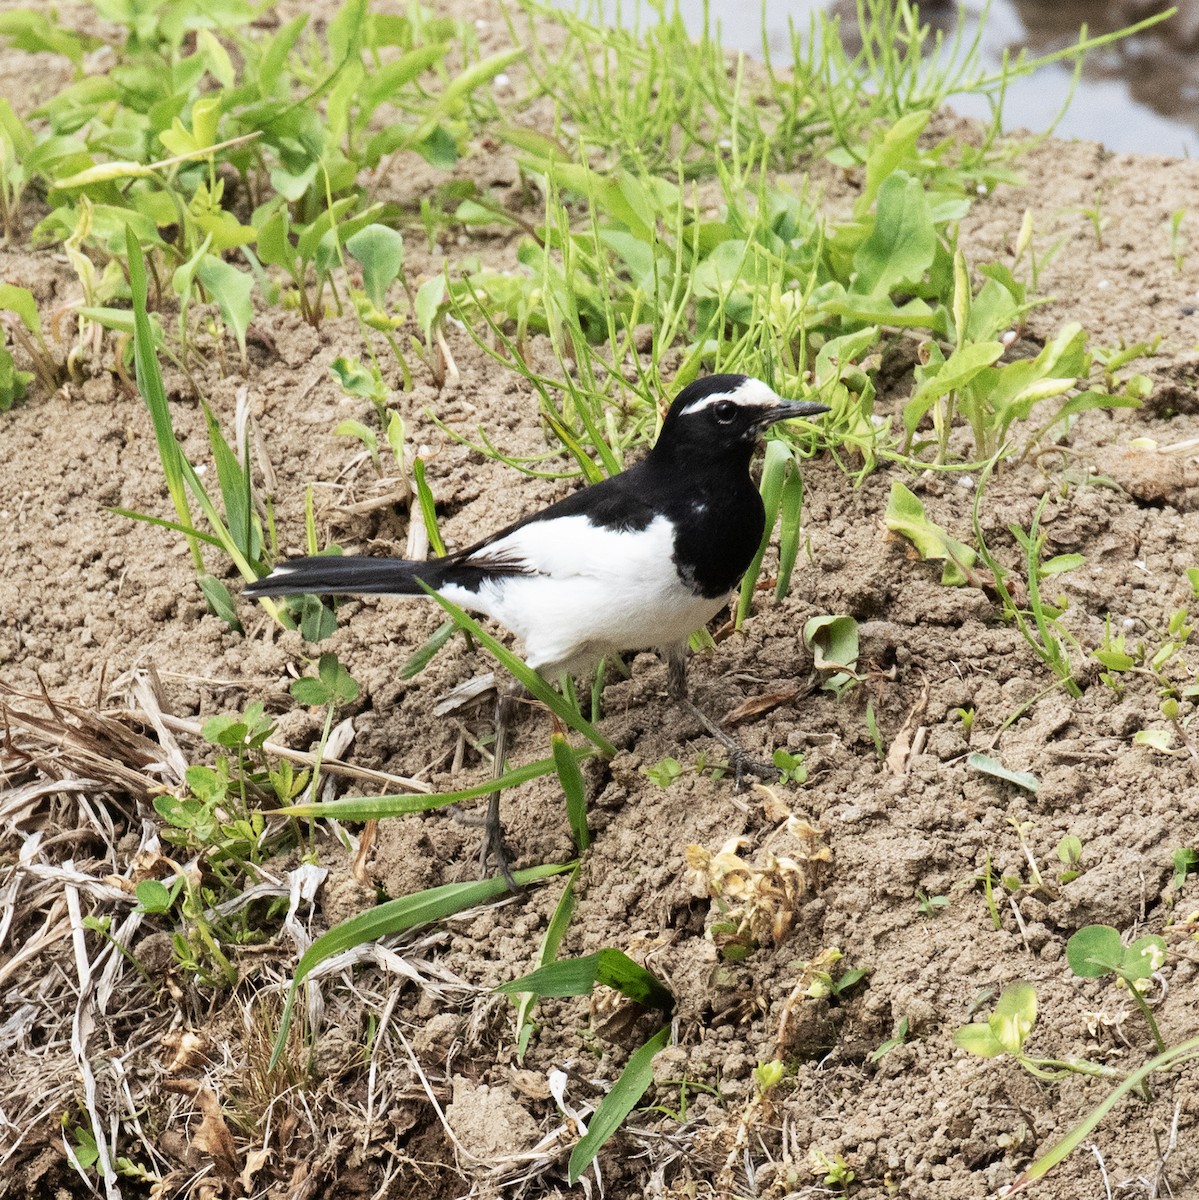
493,831
676,662
507,698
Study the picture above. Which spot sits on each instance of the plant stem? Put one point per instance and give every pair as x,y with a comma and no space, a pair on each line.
1146,1012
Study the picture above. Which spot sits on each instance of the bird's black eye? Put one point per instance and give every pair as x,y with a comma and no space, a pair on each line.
725,411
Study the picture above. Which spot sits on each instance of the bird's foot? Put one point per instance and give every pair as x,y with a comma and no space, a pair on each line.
743,765
739,759
492,848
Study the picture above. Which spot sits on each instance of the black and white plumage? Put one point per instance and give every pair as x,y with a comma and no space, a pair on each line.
637,561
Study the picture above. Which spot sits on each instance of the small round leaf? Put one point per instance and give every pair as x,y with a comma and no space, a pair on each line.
1094,951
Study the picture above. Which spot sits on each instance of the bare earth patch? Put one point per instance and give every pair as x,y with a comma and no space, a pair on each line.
413,1086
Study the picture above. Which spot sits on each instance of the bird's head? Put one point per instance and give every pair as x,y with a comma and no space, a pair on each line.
723,416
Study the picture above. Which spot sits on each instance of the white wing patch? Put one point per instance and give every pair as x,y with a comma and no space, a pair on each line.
590,591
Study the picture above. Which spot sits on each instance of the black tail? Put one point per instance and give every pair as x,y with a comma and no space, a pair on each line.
333,574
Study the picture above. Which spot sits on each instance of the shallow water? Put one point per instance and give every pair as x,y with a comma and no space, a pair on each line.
1141,95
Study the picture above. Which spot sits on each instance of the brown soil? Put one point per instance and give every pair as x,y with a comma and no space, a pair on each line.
86,597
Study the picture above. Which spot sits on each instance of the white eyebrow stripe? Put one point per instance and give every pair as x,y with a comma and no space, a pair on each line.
747,396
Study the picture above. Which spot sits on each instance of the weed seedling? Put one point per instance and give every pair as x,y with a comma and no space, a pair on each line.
1095,216
1179,241
1009,1027
832,1169
332,686
1069,854
791,766
665,772
1096,950
896,1039
1186,862
929,906
1040,622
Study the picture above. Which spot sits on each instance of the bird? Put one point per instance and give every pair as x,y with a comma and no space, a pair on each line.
637,561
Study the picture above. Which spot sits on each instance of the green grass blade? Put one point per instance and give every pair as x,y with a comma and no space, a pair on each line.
428,510
566,763
525,674
207,538
236,491
554,933
618,1103
578,977
372,808
774,469
790,508
1173,1057
395,916
149,383
421,657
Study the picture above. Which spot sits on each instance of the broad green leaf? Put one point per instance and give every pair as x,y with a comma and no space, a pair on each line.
153,896
481,72
386,82
896,146
39,32
1014,1016
20,300
354,378
356,429
1061,563
219,65
270,68
380,251
310,239
326,256
833,642
309,692
429,298
341,685
231,289
317,620
905,515
1155,739
1094,951
962,366
978,1039
902,243
1143,957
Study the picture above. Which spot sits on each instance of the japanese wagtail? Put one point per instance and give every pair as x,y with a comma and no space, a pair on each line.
635,562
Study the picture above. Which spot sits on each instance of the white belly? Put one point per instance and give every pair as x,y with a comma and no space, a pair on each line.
596,591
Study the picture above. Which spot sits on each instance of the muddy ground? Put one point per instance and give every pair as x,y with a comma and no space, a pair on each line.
87,597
